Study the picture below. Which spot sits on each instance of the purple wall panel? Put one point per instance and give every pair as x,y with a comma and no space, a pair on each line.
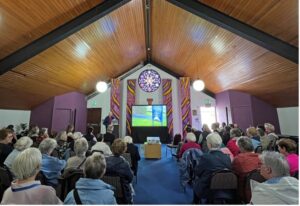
42,114
239,99
263,112
74,101
222,101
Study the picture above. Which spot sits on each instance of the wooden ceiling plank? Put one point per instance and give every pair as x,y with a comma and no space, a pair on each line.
246,31
59,34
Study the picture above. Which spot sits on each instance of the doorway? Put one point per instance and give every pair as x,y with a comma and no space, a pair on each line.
94,119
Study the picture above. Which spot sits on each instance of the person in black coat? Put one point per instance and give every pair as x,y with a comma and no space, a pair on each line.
109,136
210,162
108,120
117,165
134,154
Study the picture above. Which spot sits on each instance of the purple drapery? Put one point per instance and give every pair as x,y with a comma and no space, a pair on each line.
185,100
131,84
115,98
167,100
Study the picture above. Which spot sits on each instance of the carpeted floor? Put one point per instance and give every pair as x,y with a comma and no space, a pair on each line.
158,181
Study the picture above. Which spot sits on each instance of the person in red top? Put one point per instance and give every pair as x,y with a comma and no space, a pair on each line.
235,133
191,143
245,162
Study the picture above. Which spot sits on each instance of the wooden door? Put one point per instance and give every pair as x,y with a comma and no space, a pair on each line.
94,119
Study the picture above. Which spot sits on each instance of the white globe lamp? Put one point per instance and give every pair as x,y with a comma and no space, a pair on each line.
101,86
198,85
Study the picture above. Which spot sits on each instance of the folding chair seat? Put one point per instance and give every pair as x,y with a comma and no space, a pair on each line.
253,175
115,181
223,187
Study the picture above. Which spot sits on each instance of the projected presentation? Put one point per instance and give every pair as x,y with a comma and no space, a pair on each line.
149,116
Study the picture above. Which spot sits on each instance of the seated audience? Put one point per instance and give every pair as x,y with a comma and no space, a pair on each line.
90,137
271,138
134,153
226,151
252,134
117,165
176,139
80,147
202,139
235,133
102,147
5,144
51,166
21,144
34,132
91,189
62,144
70,129
191,143
43,134
245,162
109,136
226,135
210,162
288,148
25,190
280,188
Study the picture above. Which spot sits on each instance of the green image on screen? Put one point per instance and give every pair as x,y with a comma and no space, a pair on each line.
149,116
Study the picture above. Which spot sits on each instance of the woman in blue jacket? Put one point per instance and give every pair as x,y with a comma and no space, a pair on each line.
91,189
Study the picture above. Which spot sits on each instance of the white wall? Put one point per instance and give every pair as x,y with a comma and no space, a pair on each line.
103,100
288,120
14,117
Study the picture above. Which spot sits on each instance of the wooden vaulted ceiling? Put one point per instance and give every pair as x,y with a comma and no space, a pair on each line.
180,41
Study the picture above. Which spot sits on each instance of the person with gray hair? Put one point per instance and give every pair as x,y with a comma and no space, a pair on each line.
244,163
269,141
25,189
209,162
51,166
133,150
279,188
80,147
191,143
91,189
235,133
21,144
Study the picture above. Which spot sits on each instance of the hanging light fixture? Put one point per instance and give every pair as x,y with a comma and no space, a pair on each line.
101,86
198,85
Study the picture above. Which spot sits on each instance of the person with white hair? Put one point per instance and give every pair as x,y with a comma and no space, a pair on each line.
270,139
21,144
80,147
51,166
101,147
133,150
91,189
209,162
191,143
25,189
279,188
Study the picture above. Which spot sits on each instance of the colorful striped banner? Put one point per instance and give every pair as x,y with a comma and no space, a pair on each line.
167,100
115,98
131,84
185,99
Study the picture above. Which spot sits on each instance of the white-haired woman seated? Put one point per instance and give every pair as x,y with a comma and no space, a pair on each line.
102,147
280,188
134,153
80,147
25,190
51,166
91,189
191,143
21,144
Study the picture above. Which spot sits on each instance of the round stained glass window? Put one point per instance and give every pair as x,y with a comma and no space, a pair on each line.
149,80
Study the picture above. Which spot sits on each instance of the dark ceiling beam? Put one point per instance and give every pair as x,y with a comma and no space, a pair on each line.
177,76
59,34
235,26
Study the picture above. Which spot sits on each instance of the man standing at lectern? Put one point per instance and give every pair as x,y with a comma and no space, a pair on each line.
108,120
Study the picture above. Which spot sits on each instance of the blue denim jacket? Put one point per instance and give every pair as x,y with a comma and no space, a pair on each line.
51,168
92,191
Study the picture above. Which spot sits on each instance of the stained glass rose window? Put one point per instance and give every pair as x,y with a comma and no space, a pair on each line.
149,80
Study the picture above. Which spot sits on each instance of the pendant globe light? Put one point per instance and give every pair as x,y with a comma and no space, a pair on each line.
101,86
198,85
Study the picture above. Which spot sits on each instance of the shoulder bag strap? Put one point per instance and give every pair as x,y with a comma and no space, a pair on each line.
81,163
76,197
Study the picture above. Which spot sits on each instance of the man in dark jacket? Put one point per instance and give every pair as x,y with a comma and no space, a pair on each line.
210,162
109,136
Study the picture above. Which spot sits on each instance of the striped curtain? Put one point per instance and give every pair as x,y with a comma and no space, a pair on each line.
115,98
185,100
167,100
131,83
